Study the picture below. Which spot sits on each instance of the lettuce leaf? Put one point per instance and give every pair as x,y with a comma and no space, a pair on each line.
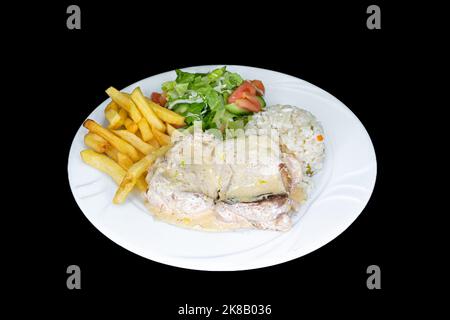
202,97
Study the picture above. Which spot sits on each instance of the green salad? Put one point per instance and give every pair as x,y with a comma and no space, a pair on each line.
219,99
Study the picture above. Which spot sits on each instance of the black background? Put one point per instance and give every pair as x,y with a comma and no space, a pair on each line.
326,44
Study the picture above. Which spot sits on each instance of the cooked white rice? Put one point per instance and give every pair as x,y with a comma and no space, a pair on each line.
298,130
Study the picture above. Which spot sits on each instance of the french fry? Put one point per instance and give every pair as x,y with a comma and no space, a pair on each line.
142,184
135,171
162,138
114,140
145,130
135,141
154,143
110,167
112,106
115,118
112,153
112,116
95,142
104,164
123,115
165,114
100,145
147,111
124,161
170,129
124,100
131,125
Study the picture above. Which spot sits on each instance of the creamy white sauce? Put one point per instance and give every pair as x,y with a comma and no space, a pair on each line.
190,194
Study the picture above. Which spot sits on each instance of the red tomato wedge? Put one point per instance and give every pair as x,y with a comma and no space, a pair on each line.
158,98
259,87
246,87
155,97
247,104
245,95
253,99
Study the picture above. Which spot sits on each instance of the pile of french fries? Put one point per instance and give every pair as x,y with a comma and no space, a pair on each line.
138,133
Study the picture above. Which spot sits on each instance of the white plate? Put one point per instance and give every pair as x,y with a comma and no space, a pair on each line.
342,190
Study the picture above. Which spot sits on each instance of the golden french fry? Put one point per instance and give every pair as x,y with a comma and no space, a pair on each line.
112,116
147,112
145,130
114,140
135,171
163,139
124,161
170,129
135,141
112,106
104,164
110,167
142,184
95,142
131,125
124,100
123,115
112,153
165,114
115,118
154,143
100,145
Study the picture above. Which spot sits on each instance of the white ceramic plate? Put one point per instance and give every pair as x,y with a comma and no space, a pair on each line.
342,190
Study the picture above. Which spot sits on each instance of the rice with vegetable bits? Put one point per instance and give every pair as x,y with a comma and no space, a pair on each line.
300,134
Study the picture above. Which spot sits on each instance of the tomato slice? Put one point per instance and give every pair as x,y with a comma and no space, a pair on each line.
246,87
155,97
247,104
163,99
159,98
260,89
245,95
253,99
